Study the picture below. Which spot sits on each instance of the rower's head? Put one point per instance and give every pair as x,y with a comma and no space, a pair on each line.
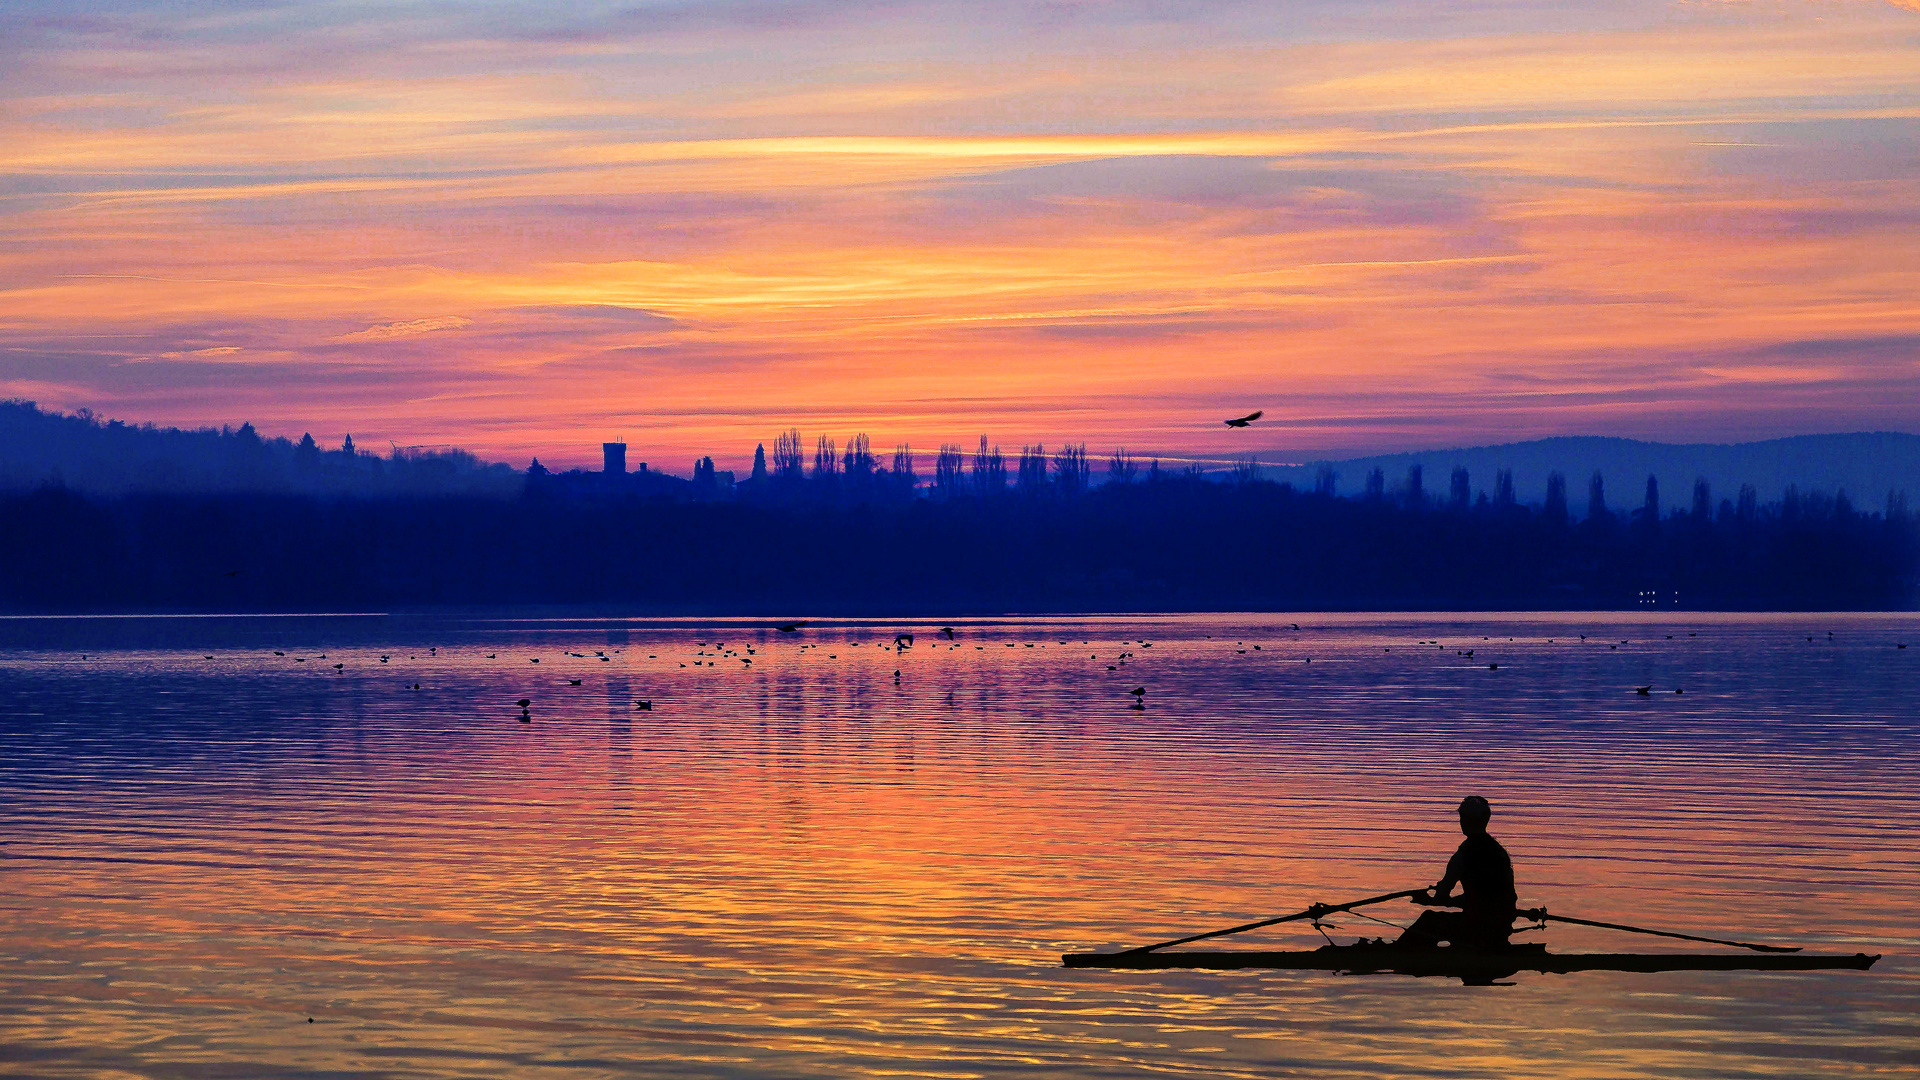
1474,814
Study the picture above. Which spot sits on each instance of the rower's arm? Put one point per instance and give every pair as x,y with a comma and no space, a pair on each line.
1442,892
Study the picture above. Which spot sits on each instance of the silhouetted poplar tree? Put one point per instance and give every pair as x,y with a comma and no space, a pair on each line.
1032,477
949,469
1070,468
1556,506
788,457
903,473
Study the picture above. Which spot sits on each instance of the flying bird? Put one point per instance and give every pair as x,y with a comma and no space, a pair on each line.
1243,421
901,641
1138,691
788,628
948,630
524,702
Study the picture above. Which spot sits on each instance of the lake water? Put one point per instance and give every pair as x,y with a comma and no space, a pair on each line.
802,866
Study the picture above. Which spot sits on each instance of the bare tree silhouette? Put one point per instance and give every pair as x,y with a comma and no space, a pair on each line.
949,470
1070,468
859,458
903,474
788,457
989,468
1246,469
1032,477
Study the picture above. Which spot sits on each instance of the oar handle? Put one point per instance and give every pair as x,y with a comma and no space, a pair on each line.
1541,913
1314,911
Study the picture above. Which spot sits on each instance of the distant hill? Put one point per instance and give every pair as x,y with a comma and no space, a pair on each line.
86,454
1866,465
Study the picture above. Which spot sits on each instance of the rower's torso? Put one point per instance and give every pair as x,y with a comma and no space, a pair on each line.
1485,874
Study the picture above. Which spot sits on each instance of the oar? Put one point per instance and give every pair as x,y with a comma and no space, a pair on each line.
1314,912
1541,913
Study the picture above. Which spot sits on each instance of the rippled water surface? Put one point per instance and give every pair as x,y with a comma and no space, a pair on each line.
259,847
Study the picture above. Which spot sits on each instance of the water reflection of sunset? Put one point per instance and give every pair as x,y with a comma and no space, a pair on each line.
801,867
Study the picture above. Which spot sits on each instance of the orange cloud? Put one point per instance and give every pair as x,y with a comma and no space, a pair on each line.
1383,236
406,329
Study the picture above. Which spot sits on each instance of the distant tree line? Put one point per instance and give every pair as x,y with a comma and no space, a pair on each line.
852,535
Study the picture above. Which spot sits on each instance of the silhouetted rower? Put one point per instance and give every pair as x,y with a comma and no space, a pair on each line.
1487,901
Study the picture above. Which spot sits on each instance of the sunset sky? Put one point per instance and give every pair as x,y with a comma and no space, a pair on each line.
526,228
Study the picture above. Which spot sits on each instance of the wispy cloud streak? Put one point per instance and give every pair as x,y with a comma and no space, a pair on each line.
516,226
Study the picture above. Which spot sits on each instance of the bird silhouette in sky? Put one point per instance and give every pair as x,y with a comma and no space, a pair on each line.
1243,421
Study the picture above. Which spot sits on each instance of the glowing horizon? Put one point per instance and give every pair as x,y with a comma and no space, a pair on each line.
693,226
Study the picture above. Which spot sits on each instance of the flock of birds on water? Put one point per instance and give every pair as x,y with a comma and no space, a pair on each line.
950,637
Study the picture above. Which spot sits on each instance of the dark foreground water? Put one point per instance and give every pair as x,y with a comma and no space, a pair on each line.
801,866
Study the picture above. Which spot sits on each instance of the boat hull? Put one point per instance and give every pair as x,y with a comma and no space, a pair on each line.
1472,965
